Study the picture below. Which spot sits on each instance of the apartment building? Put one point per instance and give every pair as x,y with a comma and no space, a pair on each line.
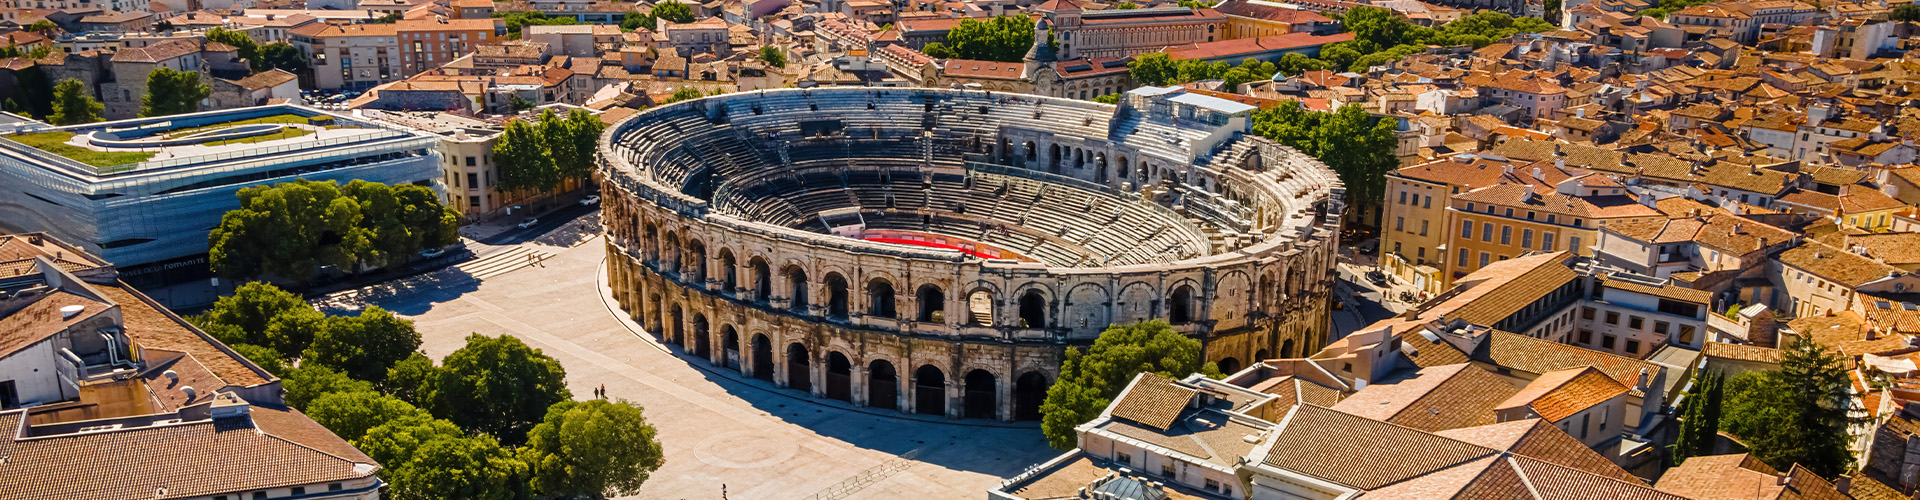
426,44
349,57
1413,235
1496,223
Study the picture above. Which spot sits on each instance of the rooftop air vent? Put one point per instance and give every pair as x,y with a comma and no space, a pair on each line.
68,312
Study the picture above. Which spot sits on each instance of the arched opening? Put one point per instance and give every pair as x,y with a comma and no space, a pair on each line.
933,304
1228,365
696,263
671,245
702,347
762,281
650,245
1029,392
729,272
796,289
1033,152
1180,306
1123,167
654,322
798,372
980,308
880,298
836,297
762,358
930,391
982,392
883,385
839,377
730,346
1033,310
679,328
1262,355
1053,158
1286,349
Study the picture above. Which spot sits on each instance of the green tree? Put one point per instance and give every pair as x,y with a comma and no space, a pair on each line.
672,11
43,27
264,315
634,20
1195,4
1003,39
542,154
773,56
351,414
683,94
1125,6
496,385
939,50
1795,415
312,380
400,221
286,230
1700,416
1355,145
520,19
1295,63
1153,68
407,376
73,104
593,449
172,92
1090,379
1107,99
266,357
473,468
249,50
1905,13
386,19
280,56
364,346
393,442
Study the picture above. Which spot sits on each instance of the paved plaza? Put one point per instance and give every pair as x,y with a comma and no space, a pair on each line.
717,429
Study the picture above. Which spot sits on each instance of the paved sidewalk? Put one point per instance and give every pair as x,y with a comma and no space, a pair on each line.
762,443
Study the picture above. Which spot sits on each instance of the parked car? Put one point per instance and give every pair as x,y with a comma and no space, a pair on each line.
590,200
529,222
1378,278
432,253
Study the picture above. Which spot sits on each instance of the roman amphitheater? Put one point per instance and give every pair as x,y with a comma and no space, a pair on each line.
938,251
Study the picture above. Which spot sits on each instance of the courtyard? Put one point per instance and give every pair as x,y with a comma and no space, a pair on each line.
718,430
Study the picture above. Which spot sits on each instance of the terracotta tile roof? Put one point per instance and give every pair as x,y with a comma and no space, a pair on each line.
1669,291
1846,331
266,79
1836,265
1153,401
982,69
194,459
1507,287
42,319
163,51
1531,355
1540,440
1432,399
1269,12
1739,352
1360,452
151,327
1864,486
1256,45
1559,394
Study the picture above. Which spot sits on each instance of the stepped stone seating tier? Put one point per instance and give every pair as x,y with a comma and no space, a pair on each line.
717,212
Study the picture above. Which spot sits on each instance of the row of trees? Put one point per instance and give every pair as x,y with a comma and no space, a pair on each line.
289,230
542,154
493,421
1003,39
279,55
673,12
1091,378
1159,69
1381,37
1356,145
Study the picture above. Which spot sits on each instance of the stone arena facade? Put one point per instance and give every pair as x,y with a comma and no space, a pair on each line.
937,251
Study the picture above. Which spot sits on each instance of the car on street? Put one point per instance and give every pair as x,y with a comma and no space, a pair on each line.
529,222
433,252
590,200
1378,278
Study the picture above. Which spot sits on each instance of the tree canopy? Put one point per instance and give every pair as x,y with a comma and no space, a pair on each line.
1381,37
364,346
541,154
351,414
474,468
1358,147
1090,379
520,19
670,10
596,448
281,56
1905,13
172,92
312,380
1797,414
1699,417
73,104
773,56
289,230
1003,39
495,385
249,50
263,315
1160,69
939,50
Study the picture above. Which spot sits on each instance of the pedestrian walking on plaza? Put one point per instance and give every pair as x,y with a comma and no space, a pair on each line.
603,391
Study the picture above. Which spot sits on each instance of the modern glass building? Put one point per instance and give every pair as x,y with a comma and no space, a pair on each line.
144,193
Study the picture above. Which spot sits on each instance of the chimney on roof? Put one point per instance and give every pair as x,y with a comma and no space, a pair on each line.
1508,168
1538,174
1739,228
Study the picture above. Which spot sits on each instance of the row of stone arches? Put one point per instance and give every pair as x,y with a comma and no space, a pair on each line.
876,383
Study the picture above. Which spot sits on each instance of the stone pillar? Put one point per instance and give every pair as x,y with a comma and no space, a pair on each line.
857,385
905,392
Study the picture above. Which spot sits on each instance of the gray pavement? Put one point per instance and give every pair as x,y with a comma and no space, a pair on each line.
758,441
